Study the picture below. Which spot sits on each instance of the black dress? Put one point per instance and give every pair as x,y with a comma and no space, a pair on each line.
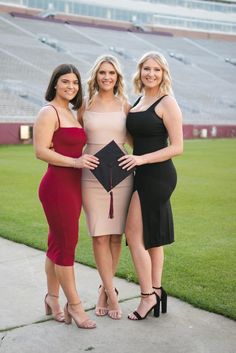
154,182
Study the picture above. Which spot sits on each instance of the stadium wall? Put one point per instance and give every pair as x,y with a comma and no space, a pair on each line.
16,133
209,131
22,133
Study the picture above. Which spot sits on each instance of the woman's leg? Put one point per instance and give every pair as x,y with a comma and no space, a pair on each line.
53,285
66,278
157,256
115,246
157,259
141,257
104,260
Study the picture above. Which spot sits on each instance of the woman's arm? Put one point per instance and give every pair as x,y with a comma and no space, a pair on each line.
44,128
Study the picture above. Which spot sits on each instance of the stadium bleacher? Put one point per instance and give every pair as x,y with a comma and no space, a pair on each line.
203,76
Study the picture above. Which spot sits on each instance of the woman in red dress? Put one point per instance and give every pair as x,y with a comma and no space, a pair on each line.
60,191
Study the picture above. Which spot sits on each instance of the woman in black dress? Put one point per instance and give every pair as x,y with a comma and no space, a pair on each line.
155,124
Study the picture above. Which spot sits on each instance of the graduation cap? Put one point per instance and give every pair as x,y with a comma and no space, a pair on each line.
108,172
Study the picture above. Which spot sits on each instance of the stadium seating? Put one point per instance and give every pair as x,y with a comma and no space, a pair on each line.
203,76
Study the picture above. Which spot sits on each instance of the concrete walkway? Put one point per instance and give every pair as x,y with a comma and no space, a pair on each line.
25,329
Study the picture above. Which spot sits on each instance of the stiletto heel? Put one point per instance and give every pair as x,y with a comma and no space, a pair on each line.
155,307
163,299
86,324
59,316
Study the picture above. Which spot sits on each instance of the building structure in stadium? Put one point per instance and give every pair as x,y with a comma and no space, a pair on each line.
192,14
33,42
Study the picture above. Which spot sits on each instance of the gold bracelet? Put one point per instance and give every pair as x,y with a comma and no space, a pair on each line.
74,162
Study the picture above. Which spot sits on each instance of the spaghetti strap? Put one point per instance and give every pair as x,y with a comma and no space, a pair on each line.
50,105
137,101
151,106
157,102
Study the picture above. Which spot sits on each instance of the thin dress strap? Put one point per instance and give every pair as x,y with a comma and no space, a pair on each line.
157,101
50,105
136,102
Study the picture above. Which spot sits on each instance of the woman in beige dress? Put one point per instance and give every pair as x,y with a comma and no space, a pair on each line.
103,116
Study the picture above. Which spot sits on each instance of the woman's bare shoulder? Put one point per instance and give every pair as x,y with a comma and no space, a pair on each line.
47,114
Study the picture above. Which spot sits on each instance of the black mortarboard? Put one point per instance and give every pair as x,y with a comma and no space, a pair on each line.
108,172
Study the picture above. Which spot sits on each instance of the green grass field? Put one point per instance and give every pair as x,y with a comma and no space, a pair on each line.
199,266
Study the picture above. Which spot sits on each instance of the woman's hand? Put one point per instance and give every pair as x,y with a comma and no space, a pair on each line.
86,161
130,161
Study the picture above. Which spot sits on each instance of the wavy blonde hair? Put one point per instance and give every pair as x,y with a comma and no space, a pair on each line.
119,88
166,84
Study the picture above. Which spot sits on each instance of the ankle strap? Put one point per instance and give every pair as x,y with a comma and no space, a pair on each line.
75,303
112,290
143,295
157,287
52,295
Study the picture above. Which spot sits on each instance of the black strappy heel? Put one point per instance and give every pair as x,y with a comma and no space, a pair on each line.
163,299
155,307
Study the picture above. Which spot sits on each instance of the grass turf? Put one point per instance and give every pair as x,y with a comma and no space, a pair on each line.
199,266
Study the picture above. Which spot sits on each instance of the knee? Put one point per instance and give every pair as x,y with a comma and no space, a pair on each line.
100,240
116,239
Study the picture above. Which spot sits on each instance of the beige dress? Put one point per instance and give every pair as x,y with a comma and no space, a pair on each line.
101,128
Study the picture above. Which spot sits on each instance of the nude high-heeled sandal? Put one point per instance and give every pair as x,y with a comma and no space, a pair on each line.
114,314
86,324
58,316
101,310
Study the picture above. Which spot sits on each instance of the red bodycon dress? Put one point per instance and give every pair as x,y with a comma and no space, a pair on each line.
60,195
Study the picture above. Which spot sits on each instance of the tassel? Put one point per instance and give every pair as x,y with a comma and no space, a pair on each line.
111,211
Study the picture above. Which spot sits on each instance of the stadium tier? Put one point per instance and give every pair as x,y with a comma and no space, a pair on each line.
203,70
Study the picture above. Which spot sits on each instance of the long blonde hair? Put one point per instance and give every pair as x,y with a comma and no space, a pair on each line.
166,84
119,88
